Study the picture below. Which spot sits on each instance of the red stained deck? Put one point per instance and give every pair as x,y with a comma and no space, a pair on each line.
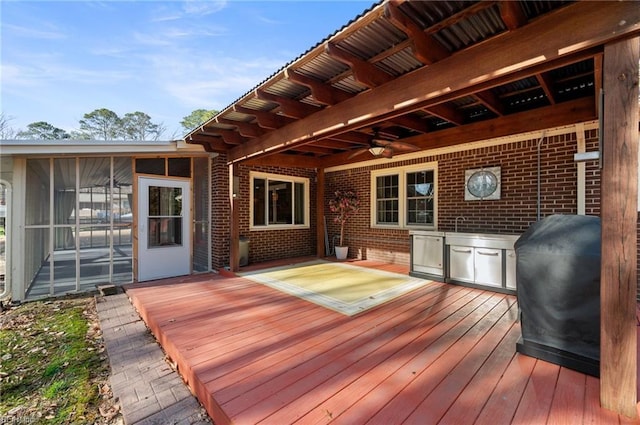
442,354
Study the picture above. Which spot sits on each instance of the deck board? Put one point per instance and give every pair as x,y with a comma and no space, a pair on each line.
441,354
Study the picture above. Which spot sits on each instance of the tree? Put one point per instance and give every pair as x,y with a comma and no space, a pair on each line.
102,124
138,126
42,130
196,118
6,131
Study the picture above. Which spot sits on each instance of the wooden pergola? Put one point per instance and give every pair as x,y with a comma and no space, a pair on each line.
436,74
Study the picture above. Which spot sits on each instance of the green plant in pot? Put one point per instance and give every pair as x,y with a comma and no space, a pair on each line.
344,204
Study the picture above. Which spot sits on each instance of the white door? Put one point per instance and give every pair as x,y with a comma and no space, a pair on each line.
164,237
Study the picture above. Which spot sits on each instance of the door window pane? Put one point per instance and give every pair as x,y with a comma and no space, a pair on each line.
165,216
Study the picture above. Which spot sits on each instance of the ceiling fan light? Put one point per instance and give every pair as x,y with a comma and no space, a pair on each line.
376,150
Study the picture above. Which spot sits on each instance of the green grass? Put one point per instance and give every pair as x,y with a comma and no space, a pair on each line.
50,363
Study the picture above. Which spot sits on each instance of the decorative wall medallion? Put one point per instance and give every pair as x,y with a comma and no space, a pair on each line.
482,183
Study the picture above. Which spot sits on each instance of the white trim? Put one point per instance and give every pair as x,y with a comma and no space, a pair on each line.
531,135
8,231
293,179
78,147
402,195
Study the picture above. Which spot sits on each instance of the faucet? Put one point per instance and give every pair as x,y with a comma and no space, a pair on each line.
456,222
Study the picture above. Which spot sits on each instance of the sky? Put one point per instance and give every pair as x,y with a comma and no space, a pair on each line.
60,60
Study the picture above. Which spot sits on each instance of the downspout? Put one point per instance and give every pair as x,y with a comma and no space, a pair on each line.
539,178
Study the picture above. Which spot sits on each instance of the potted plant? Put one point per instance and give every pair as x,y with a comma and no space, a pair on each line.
344,204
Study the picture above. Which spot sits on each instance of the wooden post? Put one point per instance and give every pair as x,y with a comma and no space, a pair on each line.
234,249
320,248
619,193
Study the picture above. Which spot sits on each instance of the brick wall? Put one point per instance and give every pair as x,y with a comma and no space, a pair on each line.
512,213
220,213
264,245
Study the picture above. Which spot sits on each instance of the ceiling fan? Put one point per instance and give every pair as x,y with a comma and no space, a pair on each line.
379,147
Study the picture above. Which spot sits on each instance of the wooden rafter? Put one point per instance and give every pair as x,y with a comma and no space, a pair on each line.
363,72
557,115
265,119
412,123
545,82
211,143
587,26
244,128
229,136
447,113
512,14
425,48
321,92
289,107
491,101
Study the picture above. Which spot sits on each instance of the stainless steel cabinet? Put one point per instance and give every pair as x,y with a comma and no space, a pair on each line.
488,266
461,263
427,253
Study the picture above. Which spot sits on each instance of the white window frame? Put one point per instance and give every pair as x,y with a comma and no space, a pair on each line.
402,172
293,179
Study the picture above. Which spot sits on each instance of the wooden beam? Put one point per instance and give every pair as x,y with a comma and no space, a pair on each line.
425,48
214,143
584,25
363,72
312,148
320,248
512,14
231,137
561,114
619,213
289,107
546,83
491,101
354,137
447,113
412,123
286,161
321,92
333,144
244,128
265,119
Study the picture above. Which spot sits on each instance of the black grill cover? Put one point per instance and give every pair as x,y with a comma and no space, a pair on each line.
558,289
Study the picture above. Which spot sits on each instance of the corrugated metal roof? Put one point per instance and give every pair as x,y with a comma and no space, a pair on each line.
374,38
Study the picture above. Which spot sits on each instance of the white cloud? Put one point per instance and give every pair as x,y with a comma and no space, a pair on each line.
203,7
27,32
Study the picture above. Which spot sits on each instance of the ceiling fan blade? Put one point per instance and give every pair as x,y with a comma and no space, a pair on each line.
357,152
403,146
387,152
381,142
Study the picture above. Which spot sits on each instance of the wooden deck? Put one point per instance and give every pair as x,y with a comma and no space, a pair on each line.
442,354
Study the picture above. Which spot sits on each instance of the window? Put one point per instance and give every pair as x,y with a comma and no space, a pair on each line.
404,197
279,201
